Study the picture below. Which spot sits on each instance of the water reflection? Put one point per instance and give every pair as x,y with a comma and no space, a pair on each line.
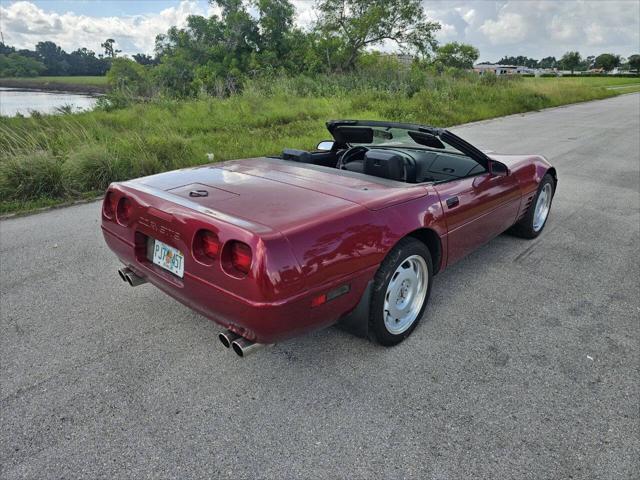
15,101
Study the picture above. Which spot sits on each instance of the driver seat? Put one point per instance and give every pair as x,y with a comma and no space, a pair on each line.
354,166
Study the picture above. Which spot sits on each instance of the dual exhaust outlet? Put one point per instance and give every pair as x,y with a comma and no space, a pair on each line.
131,277
239,344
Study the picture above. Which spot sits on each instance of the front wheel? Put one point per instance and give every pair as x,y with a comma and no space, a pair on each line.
401,290
536,218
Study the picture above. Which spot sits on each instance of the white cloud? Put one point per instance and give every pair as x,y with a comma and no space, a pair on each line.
24,24
561,30
536,28
539,28
306,14
507,29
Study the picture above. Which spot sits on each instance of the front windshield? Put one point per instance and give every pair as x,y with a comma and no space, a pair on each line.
392,137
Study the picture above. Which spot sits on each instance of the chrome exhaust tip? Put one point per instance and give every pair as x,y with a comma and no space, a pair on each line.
244,347
227,338
122,272
130,277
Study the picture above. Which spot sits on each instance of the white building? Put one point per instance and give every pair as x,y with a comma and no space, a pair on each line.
503,69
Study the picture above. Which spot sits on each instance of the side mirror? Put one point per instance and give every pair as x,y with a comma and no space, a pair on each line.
498,169
325,145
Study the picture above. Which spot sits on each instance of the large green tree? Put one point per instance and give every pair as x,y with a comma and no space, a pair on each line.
248,36
15,65
520,60
570,61
53,57
548,62
607,61
275,18
109,50
634,62
458,55
363,23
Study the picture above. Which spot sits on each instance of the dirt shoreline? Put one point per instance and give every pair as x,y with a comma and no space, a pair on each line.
53,86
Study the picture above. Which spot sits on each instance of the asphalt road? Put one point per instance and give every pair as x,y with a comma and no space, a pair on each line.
526,365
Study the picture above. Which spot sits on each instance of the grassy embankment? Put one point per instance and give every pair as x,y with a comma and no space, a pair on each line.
67,84
45,160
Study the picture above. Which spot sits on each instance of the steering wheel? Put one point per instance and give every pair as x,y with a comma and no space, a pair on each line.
350,154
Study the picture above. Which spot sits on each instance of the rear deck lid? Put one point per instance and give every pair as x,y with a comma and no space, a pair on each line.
279,193
279,205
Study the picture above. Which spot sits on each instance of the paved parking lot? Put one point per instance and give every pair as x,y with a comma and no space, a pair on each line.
525,366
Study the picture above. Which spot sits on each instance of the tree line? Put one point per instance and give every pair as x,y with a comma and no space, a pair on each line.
575,62
259,37
50,59
250,37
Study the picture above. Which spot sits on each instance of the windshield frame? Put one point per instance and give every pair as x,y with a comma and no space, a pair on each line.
447,137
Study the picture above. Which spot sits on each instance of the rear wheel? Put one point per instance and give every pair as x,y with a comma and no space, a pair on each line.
400,292
536,218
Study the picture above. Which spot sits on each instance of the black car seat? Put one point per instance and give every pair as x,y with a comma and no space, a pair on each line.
390,164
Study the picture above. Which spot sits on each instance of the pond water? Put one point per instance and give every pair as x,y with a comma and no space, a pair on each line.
16,100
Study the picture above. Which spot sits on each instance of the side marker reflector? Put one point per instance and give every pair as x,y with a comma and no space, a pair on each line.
330,295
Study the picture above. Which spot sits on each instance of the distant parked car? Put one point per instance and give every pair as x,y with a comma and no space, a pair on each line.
351,233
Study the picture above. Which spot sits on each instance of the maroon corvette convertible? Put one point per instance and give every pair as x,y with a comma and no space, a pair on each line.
351,233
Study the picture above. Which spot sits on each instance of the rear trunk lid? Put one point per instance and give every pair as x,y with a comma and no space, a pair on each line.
276,193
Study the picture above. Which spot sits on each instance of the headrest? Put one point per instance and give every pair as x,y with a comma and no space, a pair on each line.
296,155
385,164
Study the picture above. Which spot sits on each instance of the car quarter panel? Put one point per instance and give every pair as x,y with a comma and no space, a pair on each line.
361,238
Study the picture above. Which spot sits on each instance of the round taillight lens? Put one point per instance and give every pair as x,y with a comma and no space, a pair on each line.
210,244
241,257
109,204
206,246
125,210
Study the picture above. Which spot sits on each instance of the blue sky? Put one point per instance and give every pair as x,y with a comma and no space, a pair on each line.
535,28
99,8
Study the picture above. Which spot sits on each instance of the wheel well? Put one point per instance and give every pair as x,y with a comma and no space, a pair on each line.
554,174
433,243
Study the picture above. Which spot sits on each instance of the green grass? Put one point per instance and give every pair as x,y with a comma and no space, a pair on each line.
64,80
49,159
626,85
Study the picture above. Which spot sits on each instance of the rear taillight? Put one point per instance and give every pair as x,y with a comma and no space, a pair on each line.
206,245
210,244
241,257
109,204
124,210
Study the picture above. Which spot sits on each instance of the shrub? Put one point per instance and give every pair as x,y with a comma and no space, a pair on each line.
31,175
91,167
129,76
171,151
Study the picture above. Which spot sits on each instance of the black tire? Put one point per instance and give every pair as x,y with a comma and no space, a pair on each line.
405,249
525,227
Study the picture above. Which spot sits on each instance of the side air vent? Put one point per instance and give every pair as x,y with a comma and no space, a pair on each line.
526,207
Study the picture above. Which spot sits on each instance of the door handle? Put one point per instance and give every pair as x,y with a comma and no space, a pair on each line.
453,202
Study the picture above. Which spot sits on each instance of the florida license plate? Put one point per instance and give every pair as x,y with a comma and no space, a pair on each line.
168,258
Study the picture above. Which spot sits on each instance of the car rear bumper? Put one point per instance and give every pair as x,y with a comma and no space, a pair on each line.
263,322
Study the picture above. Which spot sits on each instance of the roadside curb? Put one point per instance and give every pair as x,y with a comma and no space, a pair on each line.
70,203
